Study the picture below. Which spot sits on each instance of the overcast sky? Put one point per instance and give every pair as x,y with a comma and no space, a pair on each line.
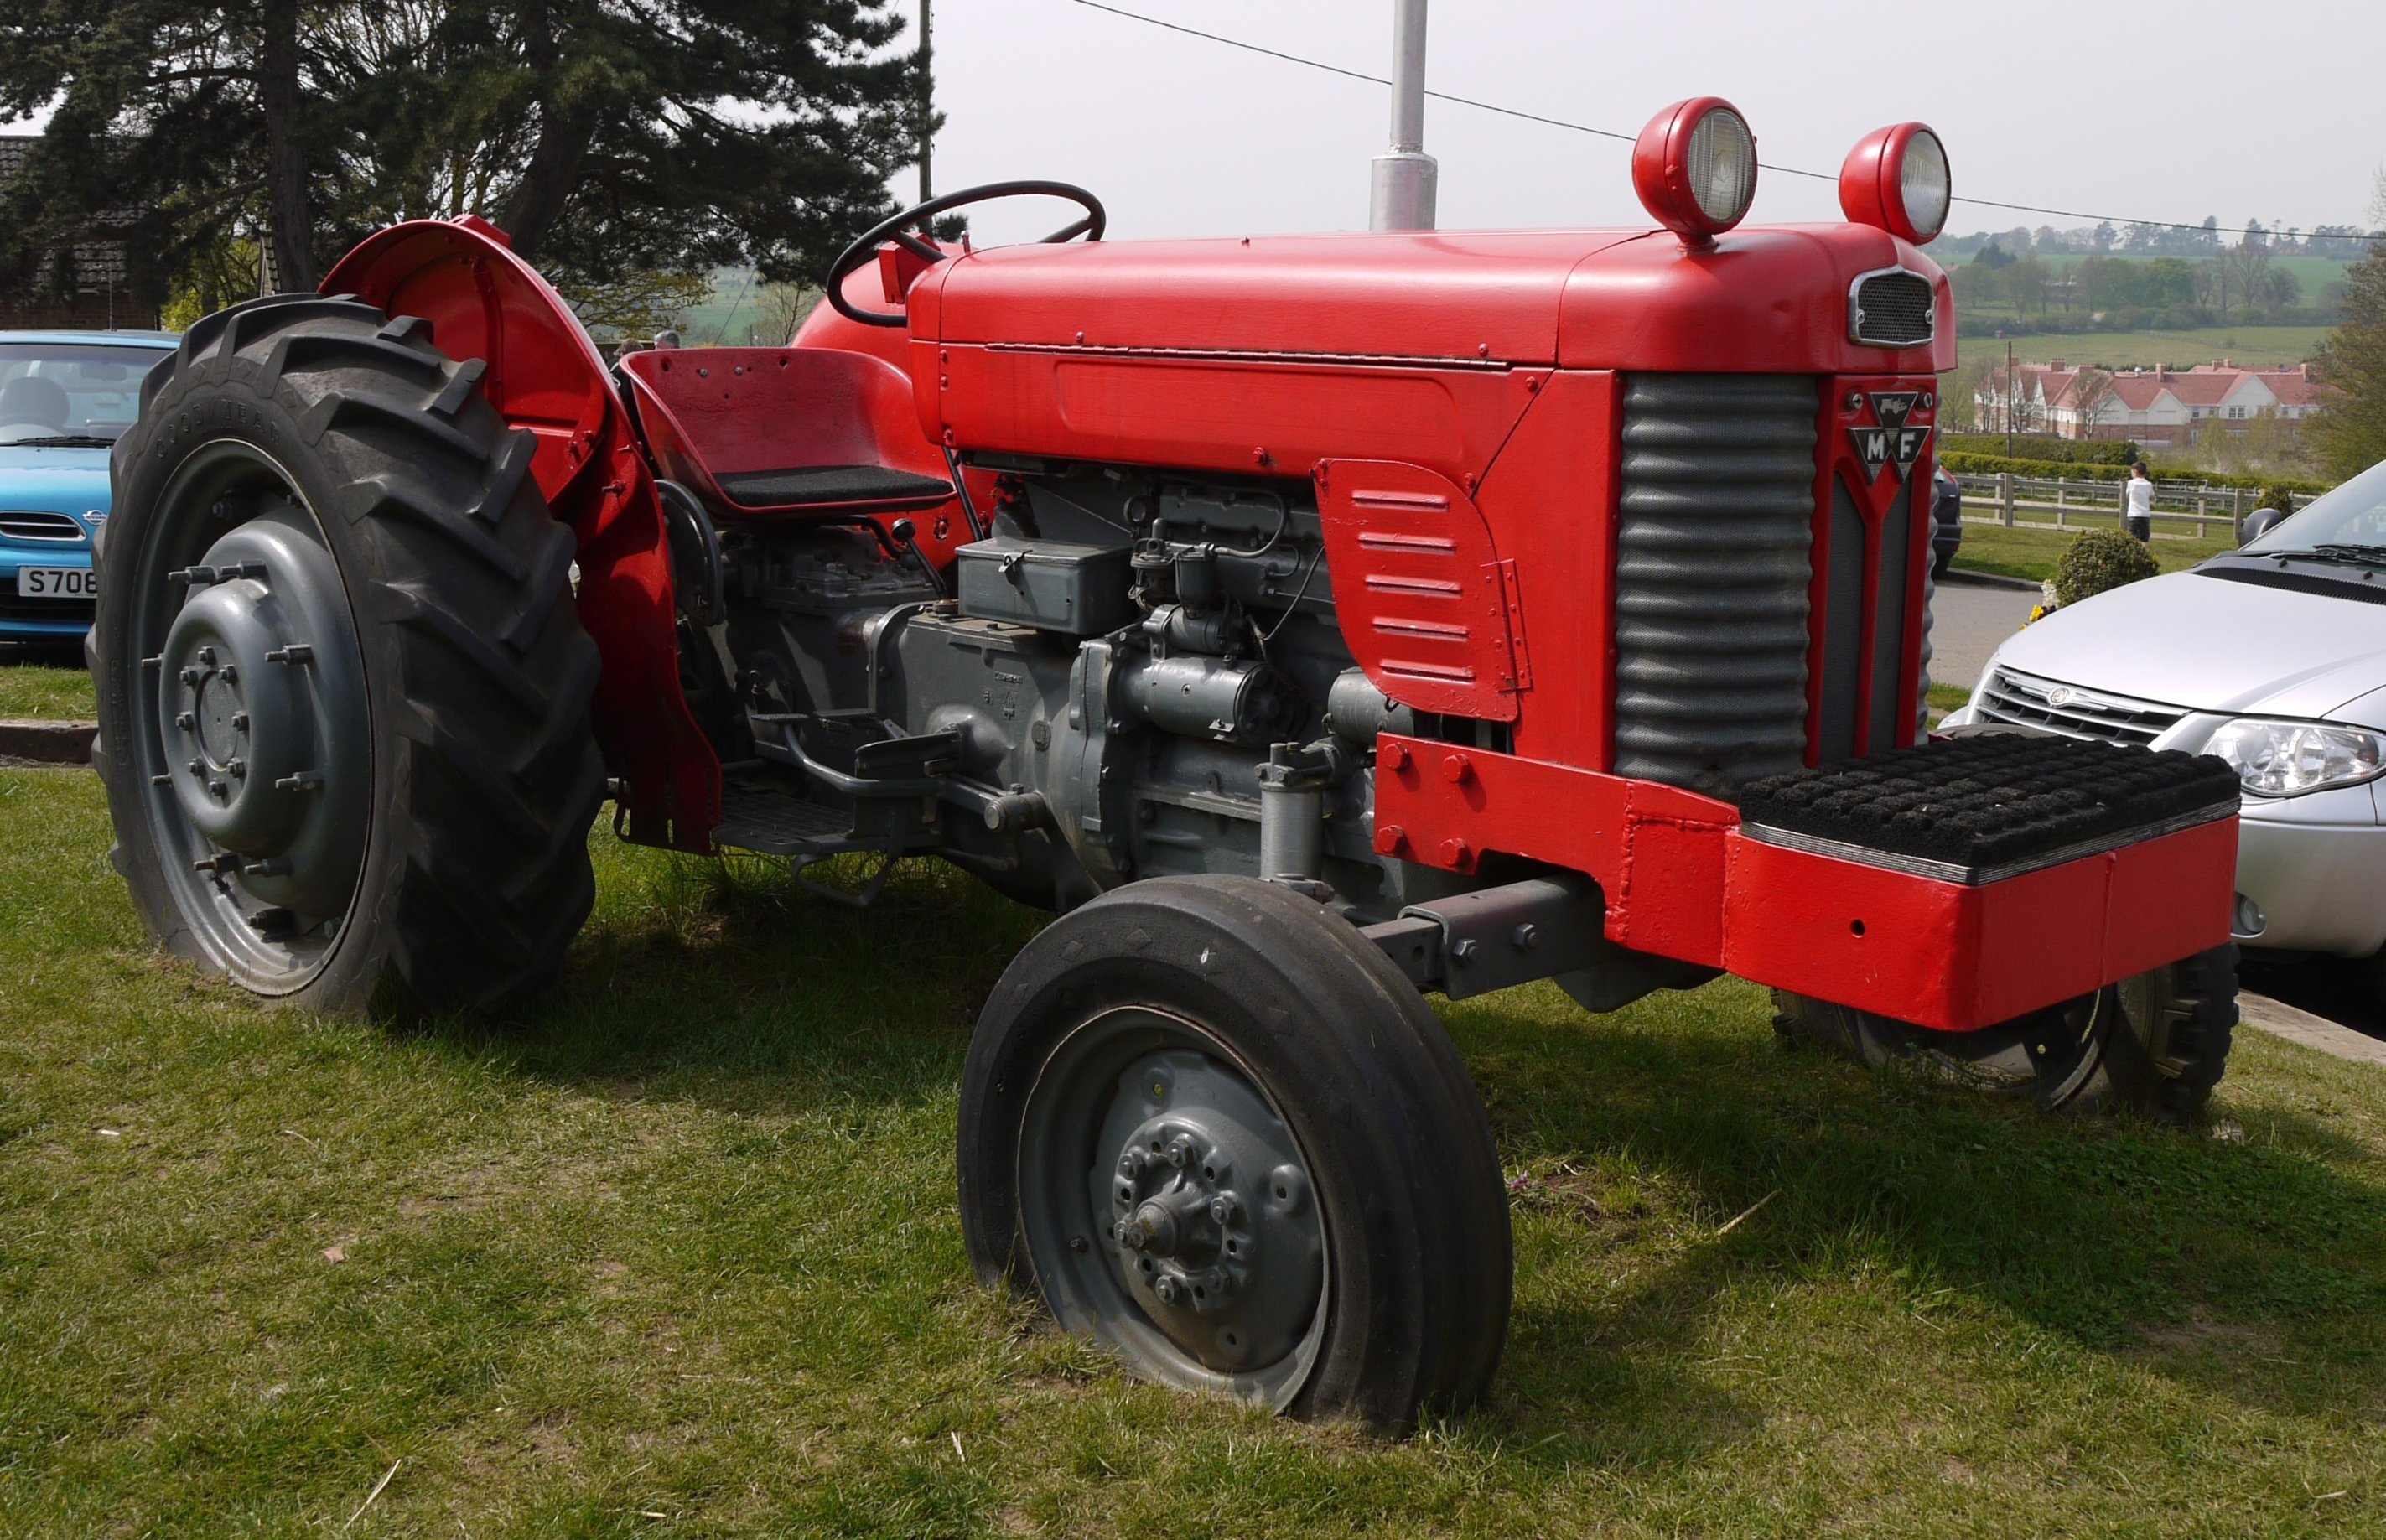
2160,109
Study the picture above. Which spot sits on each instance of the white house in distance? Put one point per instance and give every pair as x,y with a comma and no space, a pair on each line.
2152,406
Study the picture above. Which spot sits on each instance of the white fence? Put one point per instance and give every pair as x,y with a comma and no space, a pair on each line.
2084,505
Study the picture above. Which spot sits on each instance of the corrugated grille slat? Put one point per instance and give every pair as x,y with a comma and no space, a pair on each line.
1713,544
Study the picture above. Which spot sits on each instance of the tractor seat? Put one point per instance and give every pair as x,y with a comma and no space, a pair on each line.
812,486
786,433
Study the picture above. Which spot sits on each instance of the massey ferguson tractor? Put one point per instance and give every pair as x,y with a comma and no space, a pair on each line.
1312,622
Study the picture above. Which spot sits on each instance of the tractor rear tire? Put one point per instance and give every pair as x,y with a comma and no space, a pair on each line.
1216,1130
344,692
2155,1043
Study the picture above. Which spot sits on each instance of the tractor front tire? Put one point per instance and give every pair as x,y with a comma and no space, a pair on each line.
2155,1043
344,692
1214,1128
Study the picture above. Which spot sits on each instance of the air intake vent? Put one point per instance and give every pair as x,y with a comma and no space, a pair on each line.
1892,309
1713,546
36,524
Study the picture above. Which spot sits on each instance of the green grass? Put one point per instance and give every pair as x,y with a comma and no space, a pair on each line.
674,1253
2021,552
43,688
2247,345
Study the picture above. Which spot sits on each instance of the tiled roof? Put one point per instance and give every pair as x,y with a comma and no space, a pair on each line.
98,263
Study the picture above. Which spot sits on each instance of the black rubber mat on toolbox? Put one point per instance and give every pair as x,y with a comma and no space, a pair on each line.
1990,800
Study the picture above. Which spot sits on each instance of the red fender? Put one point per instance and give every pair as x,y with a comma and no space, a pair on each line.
546,378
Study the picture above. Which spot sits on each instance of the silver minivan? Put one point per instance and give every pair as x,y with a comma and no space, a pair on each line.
2272,656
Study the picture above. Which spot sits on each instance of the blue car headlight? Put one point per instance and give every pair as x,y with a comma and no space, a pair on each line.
2284,758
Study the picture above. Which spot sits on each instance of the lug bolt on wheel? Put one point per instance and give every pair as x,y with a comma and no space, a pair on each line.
1169,1290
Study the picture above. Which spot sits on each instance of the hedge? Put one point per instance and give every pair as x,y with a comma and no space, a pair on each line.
2044,447
1990,465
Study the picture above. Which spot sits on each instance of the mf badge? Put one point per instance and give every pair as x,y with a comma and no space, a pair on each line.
1893,443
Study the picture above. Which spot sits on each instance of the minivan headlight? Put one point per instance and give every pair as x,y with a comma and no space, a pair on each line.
2276,758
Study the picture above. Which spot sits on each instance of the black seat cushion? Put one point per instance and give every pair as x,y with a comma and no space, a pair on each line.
830,483
1992,799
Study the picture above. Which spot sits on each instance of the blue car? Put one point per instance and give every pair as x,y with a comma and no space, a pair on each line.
64,397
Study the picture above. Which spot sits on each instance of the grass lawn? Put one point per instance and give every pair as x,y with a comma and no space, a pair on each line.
2248,346
674,1253
2022,552
45,687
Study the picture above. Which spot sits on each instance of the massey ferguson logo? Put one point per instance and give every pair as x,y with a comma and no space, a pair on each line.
1892,443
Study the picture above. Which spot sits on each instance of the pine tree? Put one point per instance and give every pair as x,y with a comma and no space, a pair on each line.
2350,432
668,136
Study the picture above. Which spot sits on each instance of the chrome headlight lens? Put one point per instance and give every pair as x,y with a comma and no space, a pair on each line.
2276,758
1923,184
1723,166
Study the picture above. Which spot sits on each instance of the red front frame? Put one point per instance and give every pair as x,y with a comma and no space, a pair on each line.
1683,881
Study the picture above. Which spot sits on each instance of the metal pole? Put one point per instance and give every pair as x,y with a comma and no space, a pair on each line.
927,104
1402,185
2012,397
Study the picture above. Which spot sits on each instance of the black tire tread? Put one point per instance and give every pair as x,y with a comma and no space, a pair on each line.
1407,1078
468,575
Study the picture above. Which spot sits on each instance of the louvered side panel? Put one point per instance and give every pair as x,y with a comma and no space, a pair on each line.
1418,587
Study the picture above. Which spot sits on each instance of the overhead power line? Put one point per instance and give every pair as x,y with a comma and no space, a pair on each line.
1627,138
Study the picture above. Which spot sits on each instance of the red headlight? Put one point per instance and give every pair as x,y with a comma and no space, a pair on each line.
1896,180
1694,167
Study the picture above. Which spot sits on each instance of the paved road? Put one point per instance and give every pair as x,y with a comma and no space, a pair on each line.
1968,620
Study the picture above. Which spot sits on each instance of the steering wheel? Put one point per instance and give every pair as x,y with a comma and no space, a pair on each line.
897,229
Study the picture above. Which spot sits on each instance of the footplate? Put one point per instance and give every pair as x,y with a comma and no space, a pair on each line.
769,820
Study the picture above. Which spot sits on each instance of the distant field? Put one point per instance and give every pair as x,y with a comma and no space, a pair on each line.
2315,273
2244,344
2029,551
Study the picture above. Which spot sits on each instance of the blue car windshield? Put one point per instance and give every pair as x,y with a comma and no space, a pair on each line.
70,394
2352,516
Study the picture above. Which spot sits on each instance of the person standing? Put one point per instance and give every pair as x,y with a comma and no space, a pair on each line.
2138,503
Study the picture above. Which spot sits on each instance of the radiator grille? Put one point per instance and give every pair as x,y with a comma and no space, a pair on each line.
2027,700
1893,309
37,524
1712,545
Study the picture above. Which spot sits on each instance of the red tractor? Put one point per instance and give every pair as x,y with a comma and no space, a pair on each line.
1313,622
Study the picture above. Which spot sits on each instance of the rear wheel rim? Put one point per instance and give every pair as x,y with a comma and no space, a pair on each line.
250,731
1168,1209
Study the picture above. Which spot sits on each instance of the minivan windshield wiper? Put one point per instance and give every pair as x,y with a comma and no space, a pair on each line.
58,441
2350,554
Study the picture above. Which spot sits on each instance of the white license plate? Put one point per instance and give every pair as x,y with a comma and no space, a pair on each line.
57,583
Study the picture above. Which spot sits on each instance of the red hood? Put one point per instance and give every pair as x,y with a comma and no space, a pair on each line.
1760,300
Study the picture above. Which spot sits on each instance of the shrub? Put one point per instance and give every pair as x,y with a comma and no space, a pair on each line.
2100,560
